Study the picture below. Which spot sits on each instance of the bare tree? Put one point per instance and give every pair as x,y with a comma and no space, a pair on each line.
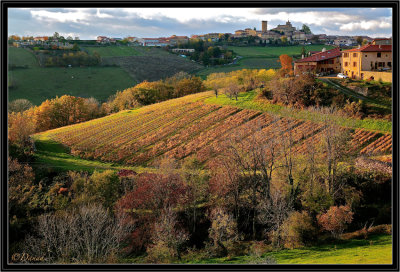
168,233
87,234
255,158
274,212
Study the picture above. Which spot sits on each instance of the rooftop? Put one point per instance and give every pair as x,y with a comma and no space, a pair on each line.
328,54
371,48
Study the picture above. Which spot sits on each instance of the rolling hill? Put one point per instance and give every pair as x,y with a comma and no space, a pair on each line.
187,126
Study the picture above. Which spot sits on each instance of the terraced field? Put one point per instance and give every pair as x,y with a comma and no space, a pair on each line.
185,126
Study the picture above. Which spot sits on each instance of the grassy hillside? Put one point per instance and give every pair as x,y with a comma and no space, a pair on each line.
38,84
113,51
21,57
186,126
375,250
255,57
275,52
132,65
152,64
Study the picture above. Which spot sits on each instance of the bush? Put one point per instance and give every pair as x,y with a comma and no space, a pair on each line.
335,219
160,253
298,230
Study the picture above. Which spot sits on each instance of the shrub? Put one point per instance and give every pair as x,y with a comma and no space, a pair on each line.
297,230
223,228
335,219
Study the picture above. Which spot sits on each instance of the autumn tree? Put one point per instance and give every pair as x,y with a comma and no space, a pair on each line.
20,187
20,127
168,237
336,219
144,205
286,64
223,229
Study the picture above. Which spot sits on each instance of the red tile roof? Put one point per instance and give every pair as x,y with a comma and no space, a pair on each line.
328,54
371,48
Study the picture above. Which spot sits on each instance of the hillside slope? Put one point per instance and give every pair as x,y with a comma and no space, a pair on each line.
187,126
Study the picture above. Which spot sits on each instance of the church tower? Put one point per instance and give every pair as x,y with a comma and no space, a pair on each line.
264,25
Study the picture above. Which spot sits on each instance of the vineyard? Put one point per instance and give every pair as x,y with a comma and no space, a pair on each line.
186,126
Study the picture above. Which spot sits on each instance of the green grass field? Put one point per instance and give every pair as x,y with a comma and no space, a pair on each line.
275,52
248,101
376,249
255,57
114,51
21,57
38,84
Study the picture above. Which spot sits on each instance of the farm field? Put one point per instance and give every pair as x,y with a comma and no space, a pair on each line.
113,51
249,101
38,84
187,126
275,52
243,63
21,57
256,57
129,66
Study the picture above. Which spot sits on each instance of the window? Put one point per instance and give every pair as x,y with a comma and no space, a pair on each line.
378,55
346,55
346,64
365,55
354,64
381,64
354,55
389,64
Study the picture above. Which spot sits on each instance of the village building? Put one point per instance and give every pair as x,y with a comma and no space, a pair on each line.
371,61
183,50
287,29
382,41
327,61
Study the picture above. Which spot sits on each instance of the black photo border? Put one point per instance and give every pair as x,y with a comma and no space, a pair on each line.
394,5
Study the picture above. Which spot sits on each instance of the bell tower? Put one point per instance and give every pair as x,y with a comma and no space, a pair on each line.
264,25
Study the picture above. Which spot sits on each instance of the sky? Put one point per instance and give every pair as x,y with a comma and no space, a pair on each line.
88,23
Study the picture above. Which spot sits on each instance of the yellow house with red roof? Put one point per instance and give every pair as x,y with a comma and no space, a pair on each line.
371,61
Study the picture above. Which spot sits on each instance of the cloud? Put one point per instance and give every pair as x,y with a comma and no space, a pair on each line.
87,23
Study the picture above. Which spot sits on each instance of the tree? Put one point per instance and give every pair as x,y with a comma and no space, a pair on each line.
20,187
298,230
20,127
223,228
232,89
255,158
196,184
335,219
306,29
86,234
19,105
56,36
284,40
151,195
167,233
359,40
75,47
286,64
303,52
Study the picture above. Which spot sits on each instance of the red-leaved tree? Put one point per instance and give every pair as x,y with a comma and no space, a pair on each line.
336,219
